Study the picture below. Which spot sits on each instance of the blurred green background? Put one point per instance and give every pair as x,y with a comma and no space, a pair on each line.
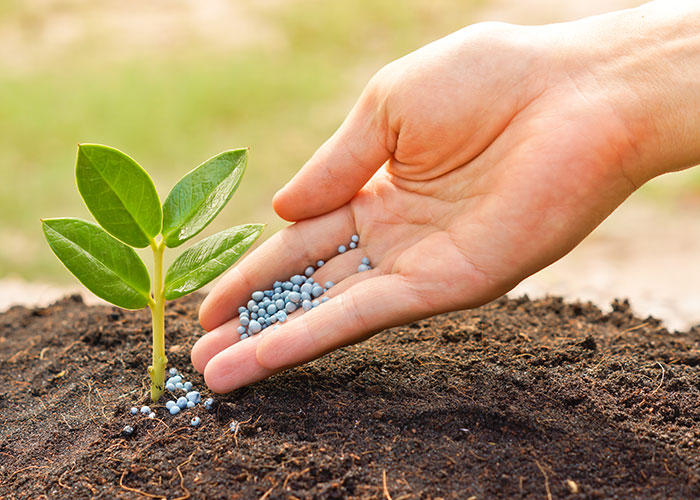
174,82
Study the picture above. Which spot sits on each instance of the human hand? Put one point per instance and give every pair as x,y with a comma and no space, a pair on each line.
464,167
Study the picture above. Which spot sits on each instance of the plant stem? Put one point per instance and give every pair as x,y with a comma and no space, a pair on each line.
157,369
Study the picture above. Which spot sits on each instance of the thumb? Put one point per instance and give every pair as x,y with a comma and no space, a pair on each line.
339,169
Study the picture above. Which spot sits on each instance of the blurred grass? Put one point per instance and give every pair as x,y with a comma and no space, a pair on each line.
172,110
173,107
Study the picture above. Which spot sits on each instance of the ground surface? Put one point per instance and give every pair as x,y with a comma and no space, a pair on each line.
517,399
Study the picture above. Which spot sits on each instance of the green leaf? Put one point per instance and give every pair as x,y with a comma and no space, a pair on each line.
107,267
119,194
203,262
200,195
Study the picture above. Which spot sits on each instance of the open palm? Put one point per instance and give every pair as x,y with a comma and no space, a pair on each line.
464,167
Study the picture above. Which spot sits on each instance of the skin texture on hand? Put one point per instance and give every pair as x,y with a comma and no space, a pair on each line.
465,167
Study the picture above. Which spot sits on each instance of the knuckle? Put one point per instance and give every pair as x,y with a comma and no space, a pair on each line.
383,84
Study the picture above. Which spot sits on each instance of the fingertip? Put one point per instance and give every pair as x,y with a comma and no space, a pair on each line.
282,207
205,316
235,367
213,343
213,380
196,356
217,376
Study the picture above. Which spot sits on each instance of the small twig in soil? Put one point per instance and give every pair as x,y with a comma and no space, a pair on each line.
69,346
182,479
294,474
667,469
384,488
140,492
60,479
23,469
663,372
642,325
145,390
118,444
89,486
17,355
63,417
238,428
546,480
600,362
267,493
160,439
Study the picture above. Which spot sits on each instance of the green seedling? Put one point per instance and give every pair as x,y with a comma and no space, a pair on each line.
121,196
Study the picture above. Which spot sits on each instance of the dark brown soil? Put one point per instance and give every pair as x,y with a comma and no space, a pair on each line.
516,399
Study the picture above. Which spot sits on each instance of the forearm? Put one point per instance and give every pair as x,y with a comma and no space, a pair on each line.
646,61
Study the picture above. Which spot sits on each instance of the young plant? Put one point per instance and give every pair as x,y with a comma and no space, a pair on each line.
122,198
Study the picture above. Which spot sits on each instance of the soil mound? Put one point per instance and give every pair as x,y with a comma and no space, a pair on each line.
516,399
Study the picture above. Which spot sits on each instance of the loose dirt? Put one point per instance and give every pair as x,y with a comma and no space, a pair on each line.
516,399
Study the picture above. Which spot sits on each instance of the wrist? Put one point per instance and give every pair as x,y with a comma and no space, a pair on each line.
645,63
